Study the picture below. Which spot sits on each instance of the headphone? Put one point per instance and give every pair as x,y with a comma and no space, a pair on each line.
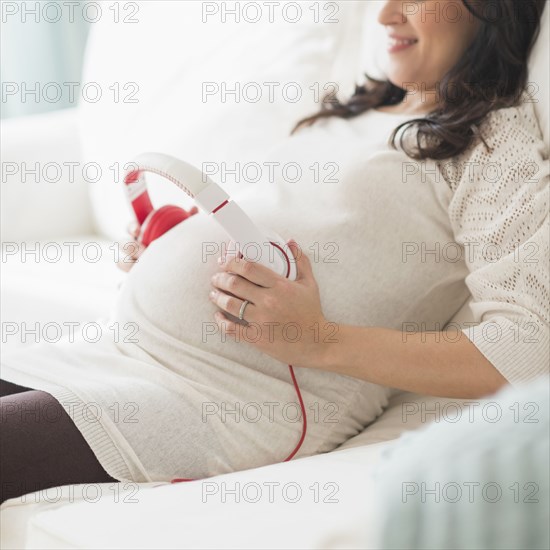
248,240
212,199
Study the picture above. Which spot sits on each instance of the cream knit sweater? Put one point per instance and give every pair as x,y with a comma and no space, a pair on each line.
499,215
394,243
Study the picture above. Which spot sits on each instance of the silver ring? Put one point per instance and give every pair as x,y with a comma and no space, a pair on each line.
243,307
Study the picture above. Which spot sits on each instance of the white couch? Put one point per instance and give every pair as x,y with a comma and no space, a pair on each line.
162,60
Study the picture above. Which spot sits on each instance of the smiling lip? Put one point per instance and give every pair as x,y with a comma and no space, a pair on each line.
399,43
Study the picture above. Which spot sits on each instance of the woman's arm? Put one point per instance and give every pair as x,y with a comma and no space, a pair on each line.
432,363
435,363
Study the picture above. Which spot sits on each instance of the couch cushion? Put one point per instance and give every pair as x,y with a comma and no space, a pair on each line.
320,502
62,282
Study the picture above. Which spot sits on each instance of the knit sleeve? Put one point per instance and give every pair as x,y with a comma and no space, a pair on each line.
499,216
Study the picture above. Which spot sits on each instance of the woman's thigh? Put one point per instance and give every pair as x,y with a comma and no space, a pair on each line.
9,388
41,446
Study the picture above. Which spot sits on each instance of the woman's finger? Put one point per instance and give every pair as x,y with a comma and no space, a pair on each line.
232,305
236,285
304,268
252,271
133,229
132,250
129,255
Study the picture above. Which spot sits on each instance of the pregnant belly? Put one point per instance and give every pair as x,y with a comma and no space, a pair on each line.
166,296
356,255
166,292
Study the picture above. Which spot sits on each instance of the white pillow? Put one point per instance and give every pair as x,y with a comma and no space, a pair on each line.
451,484
170,52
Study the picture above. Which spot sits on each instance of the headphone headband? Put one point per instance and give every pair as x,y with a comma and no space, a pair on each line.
198,185
212,199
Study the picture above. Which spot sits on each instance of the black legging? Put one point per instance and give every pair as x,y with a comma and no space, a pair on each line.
40,445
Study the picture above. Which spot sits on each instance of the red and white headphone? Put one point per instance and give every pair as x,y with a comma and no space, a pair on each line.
254,244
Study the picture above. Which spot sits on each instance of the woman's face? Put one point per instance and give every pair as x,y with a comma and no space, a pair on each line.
426,39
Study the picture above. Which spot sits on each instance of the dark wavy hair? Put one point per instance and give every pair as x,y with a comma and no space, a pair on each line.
492,74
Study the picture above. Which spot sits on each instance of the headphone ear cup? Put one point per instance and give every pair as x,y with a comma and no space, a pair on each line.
160,221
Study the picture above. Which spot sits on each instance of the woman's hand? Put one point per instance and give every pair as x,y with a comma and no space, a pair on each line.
283,319
130,252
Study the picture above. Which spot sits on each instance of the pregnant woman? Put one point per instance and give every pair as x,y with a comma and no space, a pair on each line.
440,193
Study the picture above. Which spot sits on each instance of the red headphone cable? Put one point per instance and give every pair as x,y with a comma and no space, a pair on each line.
304,426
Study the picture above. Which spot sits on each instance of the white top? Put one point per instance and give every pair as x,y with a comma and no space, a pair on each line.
387,237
